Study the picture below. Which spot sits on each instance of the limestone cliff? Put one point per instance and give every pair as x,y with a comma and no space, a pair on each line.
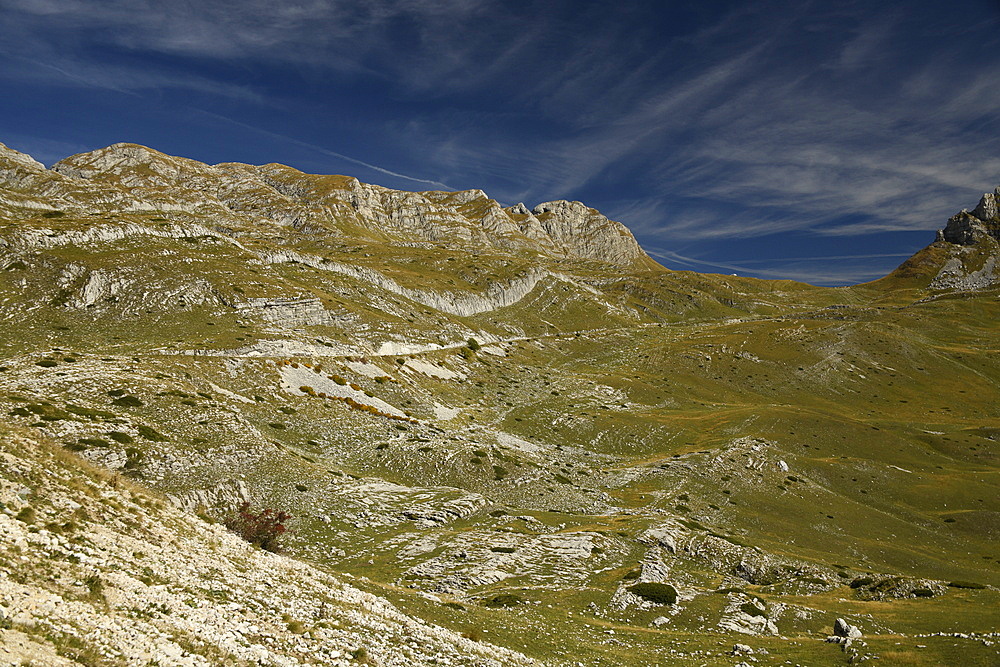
241,196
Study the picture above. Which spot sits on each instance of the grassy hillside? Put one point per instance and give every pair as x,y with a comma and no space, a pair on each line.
578,461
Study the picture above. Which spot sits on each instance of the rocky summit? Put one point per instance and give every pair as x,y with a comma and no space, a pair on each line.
253,416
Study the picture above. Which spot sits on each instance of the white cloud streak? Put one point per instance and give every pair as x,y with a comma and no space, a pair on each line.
325,151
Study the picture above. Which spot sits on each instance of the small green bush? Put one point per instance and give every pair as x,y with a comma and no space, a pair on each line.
655,592
966,584
473,344
127,401
95,587
151,434
133,458
27,515
751,609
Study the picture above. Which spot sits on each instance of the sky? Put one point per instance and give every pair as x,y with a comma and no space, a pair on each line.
817,141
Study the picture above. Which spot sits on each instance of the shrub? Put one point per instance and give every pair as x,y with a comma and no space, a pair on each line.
127,401
95,587
27,515
473,344
751,609
265,528
966,584
499,472
151,434
133,458
47,363
655,592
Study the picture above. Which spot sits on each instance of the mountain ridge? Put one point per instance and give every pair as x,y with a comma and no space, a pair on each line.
557,228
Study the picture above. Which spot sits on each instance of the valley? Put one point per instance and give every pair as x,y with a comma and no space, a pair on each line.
510,431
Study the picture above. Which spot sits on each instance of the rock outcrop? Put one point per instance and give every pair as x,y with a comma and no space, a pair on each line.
842,628
583,232
965,228
135,178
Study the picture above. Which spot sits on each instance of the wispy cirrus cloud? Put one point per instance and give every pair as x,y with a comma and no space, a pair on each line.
699,126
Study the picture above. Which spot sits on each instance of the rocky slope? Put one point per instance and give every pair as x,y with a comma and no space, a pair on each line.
964,254
95,570
134,178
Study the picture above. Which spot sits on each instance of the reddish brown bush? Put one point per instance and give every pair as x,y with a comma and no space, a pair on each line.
265,528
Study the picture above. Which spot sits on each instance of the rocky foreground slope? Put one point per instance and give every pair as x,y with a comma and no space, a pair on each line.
508,422
96,570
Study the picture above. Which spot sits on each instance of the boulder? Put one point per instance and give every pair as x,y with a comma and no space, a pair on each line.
841,628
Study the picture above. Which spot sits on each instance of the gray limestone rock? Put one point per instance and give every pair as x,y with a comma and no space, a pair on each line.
842,628
584,232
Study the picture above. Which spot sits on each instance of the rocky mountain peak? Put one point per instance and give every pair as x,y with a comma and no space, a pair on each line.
585,232
20,159
121,158
969,228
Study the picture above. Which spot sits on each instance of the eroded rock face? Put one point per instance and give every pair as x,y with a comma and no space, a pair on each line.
965,228
584,232
240,194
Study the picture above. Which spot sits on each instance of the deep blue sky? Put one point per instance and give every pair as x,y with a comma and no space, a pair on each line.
821,141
